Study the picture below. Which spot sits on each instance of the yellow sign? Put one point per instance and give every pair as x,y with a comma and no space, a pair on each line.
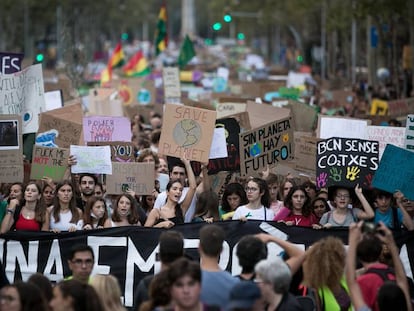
379,107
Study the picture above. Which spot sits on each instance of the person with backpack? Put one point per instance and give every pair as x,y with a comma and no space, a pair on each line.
392,294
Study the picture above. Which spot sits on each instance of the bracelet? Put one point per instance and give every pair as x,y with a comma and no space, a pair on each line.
10,211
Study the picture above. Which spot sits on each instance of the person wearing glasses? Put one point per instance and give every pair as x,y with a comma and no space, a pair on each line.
258,206
342,215
81,263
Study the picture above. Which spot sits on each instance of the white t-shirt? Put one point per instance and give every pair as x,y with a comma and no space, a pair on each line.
64,223
162,198
261,213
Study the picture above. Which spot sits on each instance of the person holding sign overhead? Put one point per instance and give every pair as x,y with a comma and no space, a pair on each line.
172,212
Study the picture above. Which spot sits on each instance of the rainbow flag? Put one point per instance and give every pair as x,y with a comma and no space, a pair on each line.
118,58
137,66
161,35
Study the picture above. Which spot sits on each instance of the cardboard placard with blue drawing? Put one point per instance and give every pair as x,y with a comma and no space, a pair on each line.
346,162
265,146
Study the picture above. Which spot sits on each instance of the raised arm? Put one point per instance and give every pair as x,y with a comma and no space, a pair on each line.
385,235
205,184
71,161
296,255
192,184
355,293
8,219
407,220
368,212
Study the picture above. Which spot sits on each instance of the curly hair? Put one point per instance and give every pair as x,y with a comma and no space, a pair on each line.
324,263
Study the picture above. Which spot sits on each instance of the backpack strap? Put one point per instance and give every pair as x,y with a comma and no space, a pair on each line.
383,273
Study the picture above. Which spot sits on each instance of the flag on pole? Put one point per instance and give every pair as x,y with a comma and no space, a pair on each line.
161,36
186,52
116,60
137,66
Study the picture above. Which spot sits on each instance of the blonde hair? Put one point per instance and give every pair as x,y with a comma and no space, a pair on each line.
109,292
324,263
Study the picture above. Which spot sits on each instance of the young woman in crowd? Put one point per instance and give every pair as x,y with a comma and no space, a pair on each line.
147,203
172,212
48,193
207,207
109,292
319,207
15,191
22,296
28,214
64,214
95,214
233,196
323,270
297,210
342,215
258,207
125,212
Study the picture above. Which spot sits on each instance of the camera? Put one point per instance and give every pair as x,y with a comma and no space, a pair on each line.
369,227
124,187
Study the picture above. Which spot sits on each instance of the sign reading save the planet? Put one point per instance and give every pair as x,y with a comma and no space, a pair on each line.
187,132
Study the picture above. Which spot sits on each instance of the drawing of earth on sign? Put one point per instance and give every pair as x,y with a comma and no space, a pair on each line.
187,133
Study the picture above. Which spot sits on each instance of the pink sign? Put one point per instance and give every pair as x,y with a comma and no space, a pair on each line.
106,129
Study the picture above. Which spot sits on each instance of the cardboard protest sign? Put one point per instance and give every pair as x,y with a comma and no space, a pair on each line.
396,171
105,129
187,132
171,83
305,153
346,162
10,62
121,151
102,101
409,133
57,132
94,160
304,116
226,109
386,135
266,146
11,148
341,127
138,177
50,162
400,107
22,93
260,114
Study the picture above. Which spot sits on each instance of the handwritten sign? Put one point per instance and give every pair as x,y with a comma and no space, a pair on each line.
409,133
10,62
171,81
22,93
187,132
121,151
396,171
341,127
138,177
227,109
266,146
94,160
105,129
50,162
305,153
11,173
386,135
57,132
346,162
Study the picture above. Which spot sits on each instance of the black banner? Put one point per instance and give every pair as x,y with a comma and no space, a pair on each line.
10,62
129,253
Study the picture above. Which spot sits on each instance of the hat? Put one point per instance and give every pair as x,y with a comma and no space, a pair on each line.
243,295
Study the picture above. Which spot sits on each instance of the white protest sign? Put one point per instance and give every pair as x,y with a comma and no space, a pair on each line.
171,80
218,146
386,135
94,160
22,93
342,127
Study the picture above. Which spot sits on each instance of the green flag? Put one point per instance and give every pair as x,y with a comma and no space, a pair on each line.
186,53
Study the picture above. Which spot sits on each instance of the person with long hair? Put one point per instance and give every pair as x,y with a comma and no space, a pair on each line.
95,213
73,295
319,207
299,213
109,292
172,212
233,196
125,212
28,214
64,214
323,270
22,296
207,207
13,191
258,207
